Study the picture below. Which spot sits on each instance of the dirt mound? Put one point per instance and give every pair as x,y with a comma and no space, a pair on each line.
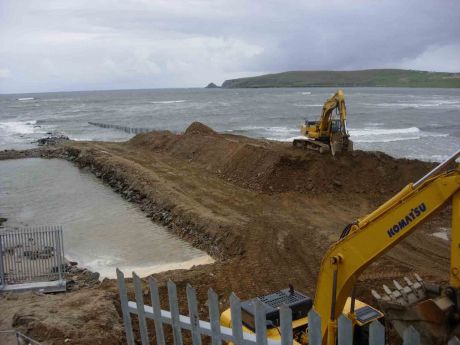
198,128
355,173
279,167
87,317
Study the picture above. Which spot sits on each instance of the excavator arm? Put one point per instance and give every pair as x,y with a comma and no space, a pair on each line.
337,101
370,237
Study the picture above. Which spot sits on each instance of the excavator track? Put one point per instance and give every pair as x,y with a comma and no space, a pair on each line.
311,145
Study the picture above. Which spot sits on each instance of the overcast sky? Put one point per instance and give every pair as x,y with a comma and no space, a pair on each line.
53,45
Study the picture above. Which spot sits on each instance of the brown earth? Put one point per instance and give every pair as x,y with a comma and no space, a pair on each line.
265,210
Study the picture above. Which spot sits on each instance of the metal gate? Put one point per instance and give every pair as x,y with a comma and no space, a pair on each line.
32,258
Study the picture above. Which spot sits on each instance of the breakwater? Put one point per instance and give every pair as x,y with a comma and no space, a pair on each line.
132,130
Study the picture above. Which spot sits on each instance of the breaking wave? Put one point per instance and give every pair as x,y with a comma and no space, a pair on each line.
358,135
425,104
375,124
22,99
19,134
168,102
264,131
18,127
307,105
383,135
286,140
382,131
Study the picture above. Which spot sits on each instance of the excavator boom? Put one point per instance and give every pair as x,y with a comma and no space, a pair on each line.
371,236
337,101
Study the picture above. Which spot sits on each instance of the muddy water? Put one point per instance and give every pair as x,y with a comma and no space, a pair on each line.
102,231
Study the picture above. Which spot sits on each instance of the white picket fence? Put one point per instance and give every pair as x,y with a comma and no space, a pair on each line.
218,333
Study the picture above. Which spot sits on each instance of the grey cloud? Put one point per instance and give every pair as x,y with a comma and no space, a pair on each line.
56,45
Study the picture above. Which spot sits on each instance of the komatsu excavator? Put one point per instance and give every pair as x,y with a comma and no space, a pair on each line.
330,132
433,311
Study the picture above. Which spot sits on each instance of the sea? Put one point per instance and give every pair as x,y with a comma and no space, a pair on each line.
415,123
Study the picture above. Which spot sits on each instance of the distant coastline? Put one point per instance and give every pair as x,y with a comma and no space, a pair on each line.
360,78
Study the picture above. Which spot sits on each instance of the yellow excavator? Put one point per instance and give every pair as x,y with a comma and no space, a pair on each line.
433,311
330,133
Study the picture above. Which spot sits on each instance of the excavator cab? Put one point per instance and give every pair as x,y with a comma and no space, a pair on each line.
336,126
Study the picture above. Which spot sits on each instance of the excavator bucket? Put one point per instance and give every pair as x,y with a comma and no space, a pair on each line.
340,144
429,309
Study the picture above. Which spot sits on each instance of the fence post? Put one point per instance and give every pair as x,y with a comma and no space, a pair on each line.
237,325
345,333
62,245
454,341
59,249
286,325
155,297
213,301
174,307
261,322
124,307
314,328
411,336
376,333
140,309
2,269
193,313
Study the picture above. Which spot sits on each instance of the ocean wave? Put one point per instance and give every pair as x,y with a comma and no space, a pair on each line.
428,158
385,140
169,102
374,124
273,130
306,93
307,105
382,131
18,127
371,134
281,129
385,135
381,140
426,104
436,125
286,140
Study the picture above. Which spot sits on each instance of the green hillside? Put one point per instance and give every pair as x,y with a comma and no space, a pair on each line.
370,77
